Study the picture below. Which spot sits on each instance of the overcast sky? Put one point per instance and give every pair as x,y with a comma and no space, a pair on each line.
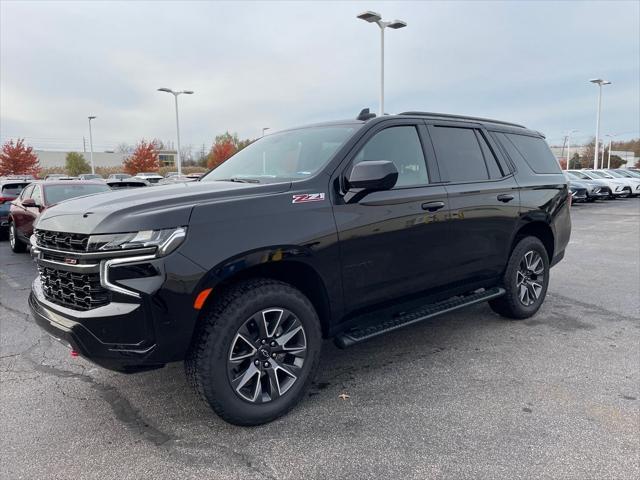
280,64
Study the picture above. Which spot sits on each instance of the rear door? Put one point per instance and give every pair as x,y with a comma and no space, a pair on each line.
393,243
483,199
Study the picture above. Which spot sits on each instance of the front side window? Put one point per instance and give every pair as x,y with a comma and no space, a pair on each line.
459,154
285,156
58,193
400,145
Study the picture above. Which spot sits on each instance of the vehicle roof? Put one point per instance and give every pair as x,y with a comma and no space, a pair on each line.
68,182
486,122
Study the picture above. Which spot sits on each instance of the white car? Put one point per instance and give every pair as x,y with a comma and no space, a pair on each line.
152,178
616,188
633,182
627,186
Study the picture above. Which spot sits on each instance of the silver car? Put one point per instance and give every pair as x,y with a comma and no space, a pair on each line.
617,188
633,182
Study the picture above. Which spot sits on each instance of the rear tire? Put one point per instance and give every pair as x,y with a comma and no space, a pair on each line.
525,280
17,246
245,380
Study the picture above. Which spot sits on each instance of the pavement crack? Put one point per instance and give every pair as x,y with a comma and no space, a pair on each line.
120,405
25,315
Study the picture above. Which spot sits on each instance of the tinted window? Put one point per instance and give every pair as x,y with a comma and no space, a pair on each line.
13,189
59,193
535,152
494,169
400,145
459,154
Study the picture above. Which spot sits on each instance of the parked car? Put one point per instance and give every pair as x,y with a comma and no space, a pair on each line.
152,178
615,188
578,191
56,176
596,189
627,187
343,230
632,182
120,183
90,176
118,176
36,198
176,179
9,191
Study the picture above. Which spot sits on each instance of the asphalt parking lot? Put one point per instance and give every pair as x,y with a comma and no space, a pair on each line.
466,395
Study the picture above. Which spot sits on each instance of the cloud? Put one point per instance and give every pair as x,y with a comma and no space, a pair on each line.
278,64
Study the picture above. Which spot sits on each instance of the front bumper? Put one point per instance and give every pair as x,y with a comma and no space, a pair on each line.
129,333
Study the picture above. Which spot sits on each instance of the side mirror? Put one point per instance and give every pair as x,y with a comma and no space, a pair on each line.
29,202
374,175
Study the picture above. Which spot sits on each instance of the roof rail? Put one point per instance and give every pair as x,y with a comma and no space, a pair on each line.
462,117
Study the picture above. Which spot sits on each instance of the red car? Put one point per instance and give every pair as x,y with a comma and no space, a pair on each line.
39,196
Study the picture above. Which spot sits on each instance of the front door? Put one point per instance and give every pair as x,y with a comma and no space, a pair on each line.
393,243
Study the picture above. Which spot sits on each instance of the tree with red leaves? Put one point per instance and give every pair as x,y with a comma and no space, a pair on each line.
224,147
18,159
143,159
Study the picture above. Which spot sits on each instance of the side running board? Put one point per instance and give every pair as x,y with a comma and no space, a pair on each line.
362,333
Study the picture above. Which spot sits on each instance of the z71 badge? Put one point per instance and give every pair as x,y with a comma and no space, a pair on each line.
308,197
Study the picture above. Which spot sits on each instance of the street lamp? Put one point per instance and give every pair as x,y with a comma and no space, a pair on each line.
93,170
600,82
175,96
609,155
569,146
373,17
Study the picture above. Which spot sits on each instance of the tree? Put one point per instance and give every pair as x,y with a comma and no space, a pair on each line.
143,159
18,159
222,149
75,164
576,162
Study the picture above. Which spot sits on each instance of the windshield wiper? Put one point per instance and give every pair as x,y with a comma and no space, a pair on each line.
239,180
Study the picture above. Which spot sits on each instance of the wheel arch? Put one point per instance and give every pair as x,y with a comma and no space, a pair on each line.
288,265
540,230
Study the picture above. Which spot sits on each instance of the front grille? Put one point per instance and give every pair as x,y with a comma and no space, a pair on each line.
80,291
72,242
606,190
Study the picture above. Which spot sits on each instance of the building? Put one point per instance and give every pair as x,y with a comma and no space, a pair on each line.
50,158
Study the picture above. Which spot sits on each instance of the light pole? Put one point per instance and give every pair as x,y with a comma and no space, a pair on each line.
600,82
609,155
175,96
93,170
373,17
569,146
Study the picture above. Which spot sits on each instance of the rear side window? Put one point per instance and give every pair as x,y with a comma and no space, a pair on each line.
459,154
533,150
13,189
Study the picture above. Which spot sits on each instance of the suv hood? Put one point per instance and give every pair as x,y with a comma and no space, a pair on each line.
150,208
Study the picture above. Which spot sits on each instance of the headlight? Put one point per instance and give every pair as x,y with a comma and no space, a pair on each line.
166,240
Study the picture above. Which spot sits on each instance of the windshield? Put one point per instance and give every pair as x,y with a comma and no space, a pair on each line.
59,193
13,189
629,174
580,175
600,174
285,156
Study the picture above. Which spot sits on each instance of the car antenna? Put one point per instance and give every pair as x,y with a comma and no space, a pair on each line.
365,114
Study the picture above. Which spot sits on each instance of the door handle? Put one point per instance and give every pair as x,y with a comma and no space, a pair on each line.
505,197
432,206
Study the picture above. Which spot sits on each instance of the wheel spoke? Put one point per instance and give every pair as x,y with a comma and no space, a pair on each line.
274,384
272,317
536,289
537,266
241,343
287,337
524,294
242,380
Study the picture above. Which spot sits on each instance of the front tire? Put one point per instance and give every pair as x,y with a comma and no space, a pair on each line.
257,352
525,280
17,246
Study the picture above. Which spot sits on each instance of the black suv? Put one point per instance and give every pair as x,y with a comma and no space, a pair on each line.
342,230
